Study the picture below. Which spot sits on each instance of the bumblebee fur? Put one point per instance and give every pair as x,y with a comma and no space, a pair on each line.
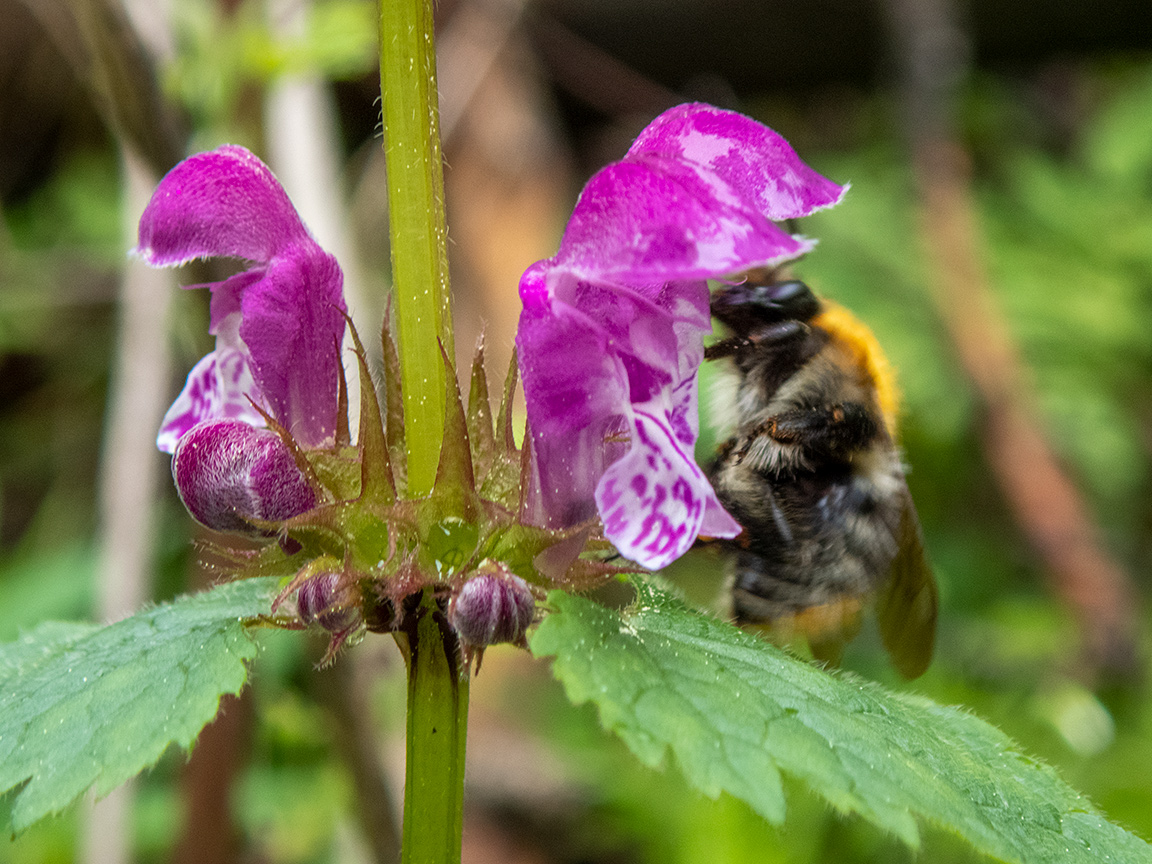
810,468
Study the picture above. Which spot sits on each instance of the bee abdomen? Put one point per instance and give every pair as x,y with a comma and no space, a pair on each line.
842,546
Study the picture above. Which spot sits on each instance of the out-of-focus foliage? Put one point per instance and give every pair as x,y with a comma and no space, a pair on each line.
77,210
225,58
1067,248
55,587
56,252
293,797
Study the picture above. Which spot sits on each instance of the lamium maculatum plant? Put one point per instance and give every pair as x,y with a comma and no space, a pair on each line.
427,521
609,343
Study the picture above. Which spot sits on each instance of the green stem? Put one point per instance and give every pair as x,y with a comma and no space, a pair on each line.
437,675
437,729
416,227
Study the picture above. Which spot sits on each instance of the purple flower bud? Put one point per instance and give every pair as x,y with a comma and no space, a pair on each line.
229,473
495,606
326,600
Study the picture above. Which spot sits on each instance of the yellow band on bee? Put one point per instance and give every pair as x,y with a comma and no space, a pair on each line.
854,335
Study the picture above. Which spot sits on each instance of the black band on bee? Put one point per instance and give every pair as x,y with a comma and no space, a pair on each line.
771,336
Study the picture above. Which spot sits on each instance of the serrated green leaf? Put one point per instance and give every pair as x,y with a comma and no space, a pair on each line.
736,712
90,706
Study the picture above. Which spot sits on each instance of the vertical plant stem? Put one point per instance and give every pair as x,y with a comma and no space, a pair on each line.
416,226
437,677
437,730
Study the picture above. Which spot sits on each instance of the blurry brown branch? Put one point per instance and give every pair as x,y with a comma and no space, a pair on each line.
108,57
932,56
354,733
210,834
595,76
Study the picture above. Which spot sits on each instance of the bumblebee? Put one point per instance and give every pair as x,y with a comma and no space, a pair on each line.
812,472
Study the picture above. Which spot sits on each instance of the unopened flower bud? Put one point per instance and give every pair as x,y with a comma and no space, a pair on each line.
326,600
494,606
229,473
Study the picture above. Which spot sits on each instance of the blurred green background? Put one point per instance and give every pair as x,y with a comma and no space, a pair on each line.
1050,105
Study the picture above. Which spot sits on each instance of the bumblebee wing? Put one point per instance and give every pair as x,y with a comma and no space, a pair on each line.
906,602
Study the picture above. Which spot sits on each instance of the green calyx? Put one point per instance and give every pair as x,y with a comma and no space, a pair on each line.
388,548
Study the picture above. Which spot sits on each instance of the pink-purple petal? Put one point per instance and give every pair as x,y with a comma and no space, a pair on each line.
292,323
755,161
577,389
586,357
228,295
717,521
655,220
278,324
220,386
197,402
222,203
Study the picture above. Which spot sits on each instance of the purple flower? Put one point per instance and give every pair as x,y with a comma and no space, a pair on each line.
611,334
278,324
